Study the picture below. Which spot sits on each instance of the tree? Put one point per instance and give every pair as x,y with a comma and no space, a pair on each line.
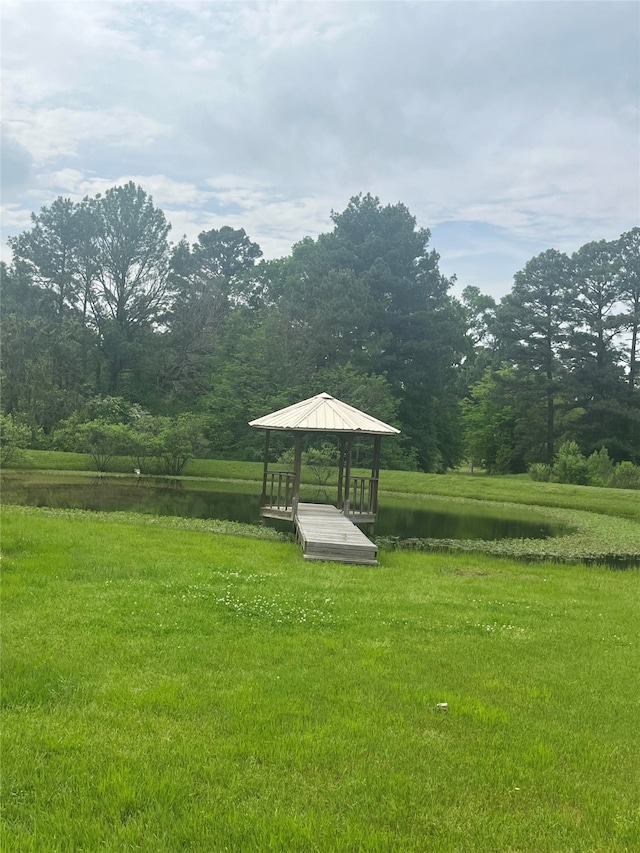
597,374
45,369
489,420
407,326
533,323
225,253
480,317
49,252
594,340
628,251
42,318
207,280
130,290
324,316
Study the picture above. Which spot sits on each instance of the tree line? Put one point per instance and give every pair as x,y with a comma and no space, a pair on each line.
98,305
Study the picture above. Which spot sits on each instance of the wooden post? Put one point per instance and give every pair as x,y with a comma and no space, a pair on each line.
347,476
341,474
297,472
375,475
266,468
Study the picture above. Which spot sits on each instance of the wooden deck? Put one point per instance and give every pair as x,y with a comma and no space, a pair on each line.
326,534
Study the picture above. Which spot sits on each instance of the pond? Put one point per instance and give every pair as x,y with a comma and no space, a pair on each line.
402,517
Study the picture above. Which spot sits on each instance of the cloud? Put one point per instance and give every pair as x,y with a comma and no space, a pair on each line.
165,191
16,167
47,133
518,117
275,224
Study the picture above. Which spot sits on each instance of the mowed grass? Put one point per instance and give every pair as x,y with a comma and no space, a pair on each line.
169,690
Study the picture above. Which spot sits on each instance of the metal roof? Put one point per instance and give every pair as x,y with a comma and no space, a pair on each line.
323,413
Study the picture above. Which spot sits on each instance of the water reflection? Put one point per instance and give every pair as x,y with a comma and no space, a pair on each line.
467,522
190,500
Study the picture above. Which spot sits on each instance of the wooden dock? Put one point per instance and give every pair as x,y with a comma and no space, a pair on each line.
326,534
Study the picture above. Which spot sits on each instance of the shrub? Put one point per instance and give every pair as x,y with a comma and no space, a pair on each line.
14,437
145,449
322,462
570,465
600,468
71,435
540,472
179,440
626,475
103,440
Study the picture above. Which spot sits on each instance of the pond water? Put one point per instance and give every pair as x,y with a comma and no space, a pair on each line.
404,518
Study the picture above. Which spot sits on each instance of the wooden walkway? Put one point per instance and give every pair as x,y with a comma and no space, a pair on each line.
326,534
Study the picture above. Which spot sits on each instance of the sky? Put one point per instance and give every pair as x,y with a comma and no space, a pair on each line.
506,127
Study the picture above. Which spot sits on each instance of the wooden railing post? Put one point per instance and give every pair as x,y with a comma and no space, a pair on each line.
265,471
347,476
341,473
373,496
375,475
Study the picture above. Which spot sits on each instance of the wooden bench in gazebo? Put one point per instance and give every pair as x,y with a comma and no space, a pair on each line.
326,532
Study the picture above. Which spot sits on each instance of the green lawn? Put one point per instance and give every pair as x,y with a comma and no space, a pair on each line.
169,689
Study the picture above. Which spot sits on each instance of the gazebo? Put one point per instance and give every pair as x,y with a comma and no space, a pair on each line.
357,497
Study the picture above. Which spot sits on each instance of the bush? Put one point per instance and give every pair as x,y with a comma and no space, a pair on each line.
626,475
598,470
154,444
114,410
600,467
322,462
179,440
570,465
145,449
72,436
14,437
540,472
103,440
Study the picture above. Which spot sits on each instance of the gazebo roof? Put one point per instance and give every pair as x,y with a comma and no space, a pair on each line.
323,413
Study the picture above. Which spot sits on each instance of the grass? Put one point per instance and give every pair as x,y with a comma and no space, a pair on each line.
56,460
168,689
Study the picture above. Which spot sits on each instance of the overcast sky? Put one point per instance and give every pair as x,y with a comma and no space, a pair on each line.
507,128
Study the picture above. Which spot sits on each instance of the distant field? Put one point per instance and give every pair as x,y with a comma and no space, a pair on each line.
168,689
218,469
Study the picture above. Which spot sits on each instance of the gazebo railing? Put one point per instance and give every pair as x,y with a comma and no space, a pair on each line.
363,496
278,490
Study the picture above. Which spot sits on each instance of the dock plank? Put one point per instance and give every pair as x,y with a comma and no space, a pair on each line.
326,534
